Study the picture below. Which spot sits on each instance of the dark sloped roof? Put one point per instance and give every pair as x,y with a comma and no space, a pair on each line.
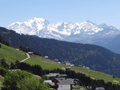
63,75
66,82
60,79
52,74
99,88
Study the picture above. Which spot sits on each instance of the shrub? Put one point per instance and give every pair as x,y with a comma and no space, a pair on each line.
3,71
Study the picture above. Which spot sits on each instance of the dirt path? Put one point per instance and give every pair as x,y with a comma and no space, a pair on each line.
28,56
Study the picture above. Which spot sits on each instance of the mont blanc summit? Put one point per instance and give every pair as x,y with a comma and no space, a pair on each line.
85,32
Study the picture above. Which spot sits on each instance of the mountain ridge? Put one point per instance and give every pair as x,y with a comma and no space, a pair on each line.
85,32
60,30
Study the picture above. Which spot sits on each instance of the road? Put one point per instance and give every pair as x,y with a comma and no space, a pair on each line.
28,56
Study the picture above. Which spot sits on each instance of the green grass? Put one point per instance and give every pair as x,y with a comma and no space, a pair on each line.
97,75
11,54
44,63
75,87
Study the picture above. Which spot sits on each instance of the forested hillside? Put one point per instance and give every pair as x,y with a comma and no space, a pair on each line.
93,56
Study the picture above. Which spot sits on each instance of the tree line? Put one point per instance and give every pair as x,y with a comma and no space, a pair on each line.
26,49
3,41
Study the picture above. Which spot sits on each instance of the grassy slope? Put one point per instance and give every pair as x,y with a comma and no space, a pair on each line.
11,54
49,64
97,74
32,61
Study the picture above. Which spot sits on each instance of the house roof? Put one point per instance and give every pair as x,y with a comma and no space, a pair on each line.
99,88
52,74
68,63
66,82
55,74
49,81
64,87
63,75
60,79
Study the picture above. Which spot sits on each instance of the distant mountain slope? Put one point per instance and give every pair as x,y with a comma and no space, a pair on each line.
93,56
114,44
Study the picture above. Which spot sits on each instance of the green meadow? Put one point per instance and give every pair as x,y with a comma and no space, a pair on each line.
50,64
75,87
97,75
44,65
11,54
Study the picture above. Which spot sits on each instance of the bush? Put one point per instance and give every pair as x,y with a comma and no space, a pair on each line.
12,78
4,64
22,80
3,71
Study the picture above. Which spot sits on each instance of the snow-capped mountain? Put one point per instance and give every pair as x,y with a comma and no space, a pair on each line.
78,32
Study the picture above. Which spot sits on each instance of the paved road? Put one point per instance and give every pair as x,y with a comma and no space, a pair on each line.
28,56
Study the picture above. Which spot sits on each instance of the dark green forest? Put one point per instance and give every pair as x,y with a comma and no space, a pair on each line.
93,56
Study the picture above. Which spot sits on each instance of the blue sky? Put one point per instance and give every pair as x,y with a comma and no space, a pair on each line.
97,11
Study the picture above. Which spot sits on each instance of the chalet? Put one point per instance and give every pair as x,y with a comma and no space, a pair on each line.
30,53
67,68
17,49
46,57
65,84
53,75
60,81
56,75
99,88
84,66
71,65
64,87
89,87
59,62
63,75
52,84
76,82
56,60
47,81
87,67
68,64
79,65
